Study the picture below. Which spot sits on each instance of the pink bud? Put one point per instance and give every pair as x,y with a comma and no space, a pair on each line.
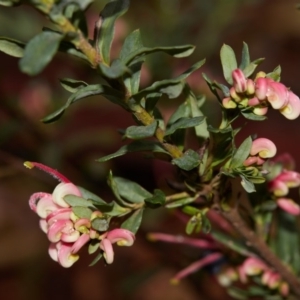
252,160
290,178
234,95
292,109
263,147
108,251
254,266
286,160
70,237
122,237
62,190
239,81
277,95
284,289
60,214
228,103
260,111
261,88
253,101
82,225
289,206
250,87
278,188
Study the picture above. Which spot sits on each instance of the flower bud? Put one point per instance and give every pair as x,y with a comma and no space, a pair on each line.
250,87
253,101
62,190
278,188
239,81
260,111
261,88
289,206
234,95
277,94
228,103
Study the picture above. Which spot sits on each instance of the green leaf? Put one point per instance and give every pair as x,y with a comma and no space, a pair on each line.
100,224
249,69
87,91
70,49
241,154
228,61
96,259
72,85
9,2
180,202
135,146
190,210
245,57
141,132
157,200
188,161
91,196
39,52
93,246
82,4
275,75
247,185
183,123
108,16
131,191
170,87
200,129
118,210
134,221
11,47
116,70
73,200
194,224
82,212
132,43
251,116
176,51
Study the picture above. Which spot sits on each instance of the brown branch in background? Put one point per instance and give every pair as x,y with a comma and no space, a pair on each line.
259,246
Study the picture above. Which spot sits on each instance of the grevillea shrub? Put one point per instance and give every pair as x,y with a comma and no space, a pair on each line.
257,258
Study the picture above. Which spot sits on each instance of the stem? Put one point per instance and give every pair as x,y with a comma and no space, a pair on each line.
261,248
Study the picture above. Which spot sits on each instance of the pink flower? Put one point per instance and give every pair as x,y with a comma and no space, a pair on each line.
253,266
292,109
261,88
289,206
228,103
122,237
277,94
263,147
239,81
278,188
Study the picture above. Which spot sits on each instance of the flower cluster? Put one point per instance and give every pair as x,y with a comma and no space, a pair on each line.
251,267
261,149
65,230
260,94
279,187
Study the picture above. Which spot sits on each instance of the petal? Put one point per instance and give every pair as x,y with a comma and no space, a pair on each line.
254,266
253,101
62,190
35,198
292,109
83,239
289,206
65,257
53,251
55,230
260,111
60,214
44,225
277,95
228,103
70,237
108,250
122,237
263,147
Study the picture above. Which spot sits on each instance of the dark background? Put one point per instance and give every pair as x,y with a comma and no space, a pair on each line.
88,130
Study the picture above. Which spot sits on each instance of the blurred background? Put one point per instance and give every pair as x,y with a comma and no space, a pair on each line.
86,132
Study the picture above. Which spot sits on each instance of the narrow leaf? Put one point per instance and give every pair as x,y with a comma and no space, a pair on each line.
188,161
249,69
131,191
91,196
245,57
134,221
140,132
247,185
73,200
158,199
72,85
96,259
228,61
183,123
39,52
108,16
242,153
135,146
11,47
